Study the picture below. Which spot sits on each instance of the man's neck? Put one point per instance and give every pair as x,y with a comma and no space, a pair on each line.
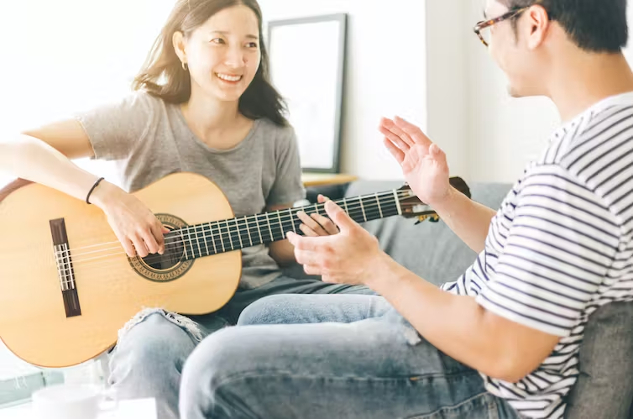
586,79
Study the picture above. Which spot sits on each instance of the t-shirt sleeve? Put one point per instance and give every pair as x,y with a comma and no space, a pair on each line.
560,247
287,187
114,129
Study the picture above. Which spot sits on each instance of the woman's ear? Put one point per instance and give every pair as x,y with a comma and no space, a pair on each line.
178,41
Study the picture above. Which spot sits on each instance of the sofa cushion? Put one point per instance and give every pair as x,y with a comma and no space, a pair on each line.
605,385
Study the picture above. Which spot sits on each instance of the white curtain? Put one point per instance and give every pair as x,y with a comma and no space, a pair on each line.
60,57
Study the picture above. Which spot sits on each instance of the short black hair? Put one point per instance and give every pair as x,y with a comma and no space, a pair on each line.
593,25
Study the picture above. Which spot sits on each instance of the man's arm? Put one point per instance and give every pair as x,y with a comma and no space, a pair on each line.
425,168
460,327
468,219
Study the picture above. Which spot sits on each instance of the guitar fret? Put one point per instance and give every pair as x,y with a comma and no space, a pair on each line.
395,195
379,207
215,251
221,237
292,220
272,238
281,224
204,239
259,231
248,229
239,236
190,242
228,230
362,208
197,240
345,205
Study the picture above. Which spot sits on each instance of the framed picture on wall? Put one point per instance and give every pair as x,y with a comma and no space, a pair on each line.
307,58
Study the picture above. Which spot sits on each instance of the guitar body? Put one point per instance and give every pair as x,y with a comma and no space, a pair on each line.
110,287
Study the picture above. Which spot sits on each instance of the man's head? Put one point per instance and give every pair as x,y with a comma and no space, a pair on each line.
546,32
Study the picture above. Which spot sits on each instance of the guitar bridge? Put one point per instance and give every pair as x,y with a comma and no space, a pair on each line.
65,270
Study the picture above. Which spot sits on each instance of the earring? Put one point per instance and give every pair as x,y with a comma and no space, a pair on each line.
184,66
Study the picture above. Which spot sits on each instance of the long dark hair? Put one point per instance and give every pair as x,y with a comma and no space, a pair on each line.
162,74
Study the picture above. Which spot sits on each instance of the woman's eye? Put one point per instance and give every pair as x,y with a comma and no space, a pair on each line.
217,40
252,45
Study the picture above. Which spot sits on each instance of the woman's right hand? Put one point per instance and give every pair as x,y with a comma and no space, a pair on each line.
136,227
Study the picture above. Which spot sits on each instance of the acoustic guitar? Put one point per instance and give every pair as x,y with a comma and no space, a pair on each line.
67,286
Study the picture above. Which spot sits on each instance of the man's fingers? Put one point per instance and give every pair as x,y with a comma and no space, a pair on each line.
311,270
307,231
413,131
395,139
395,151
340,218
392,126
303,243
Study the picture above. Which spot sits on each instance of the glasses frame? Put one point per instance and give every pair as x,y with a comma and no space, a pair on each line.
488,23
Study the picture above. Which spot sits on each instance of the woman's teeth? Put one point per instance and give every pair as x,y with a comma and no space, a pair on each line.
229,78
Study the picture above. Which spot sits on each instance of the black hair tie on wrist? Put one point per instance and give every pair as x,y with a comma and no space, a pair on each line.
92,189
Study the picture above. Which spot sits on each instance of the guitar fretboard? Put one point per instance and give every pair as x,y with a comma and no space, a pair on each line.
237,233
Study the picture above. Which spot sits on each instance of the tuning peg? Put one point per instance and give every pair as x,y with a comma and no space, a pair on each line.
421,219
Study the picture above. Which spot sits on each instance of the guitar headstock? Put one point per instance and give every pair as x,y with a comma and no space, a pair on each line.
412,207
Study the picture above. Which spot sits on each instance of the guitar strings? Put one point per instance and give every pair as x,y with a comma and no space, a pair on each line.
224,236
185,233
183,238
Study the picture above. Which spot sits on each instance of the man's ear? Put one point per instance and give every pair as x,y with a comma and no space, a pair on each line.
539,24
178,42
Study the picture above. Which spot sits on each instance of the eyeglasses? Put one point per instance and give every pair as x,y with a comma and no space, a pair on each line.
488,23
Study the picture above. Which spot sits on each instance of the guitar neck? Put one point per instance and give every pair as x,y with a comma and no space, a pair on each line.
237,233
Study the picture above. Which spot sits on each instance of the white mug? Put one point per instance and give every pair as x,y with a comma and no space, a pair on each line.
71,401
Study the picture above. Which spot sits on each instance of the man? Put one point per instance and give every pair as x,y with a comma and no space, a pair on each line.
501,341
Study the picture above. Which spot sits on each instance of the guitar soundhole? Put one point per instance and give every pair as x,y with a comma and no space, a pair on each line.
174,254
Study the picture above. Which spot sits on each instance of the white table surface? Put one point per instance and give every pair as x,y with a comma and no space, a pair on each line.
128,409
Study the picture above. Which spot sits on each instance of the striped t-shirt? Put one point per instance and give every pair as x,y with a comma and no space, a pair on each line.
560,247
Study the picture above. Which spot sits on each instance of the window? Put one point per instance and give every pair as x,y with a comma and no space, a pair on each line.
60,57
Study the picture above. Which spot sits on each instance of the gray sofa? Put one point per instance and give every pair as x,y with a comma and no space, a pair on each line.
433,251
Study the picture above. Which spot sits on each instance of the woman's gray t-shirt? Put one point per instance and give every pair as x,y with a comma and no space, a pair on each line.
149,139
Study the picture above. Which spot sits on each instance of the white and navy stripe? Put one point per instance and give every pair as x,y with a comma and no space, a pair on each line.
560,247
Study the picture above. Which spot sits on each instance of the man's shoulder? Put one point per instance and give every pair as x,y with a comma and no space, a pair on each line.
598,142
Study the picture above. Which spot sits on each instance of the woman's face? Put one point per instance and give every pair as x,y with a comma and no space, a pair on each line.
223,54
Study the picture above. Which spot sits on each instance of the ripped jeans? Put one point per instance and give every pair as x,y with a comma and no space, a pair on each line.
152,347
339,357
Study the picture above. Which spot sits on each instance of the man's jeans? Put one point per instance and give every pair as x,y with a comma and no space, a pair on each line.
336,357
148,360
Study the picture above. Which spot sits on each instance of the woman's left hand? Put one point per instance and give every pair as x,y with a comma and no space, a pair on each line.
315,225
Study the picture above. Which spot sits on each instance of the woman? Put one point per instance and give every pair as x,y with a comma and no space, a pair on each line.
203,104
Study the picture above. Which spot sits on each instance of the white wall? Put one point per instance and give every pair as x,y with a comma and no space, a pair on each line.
446,106
386,72
503,134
